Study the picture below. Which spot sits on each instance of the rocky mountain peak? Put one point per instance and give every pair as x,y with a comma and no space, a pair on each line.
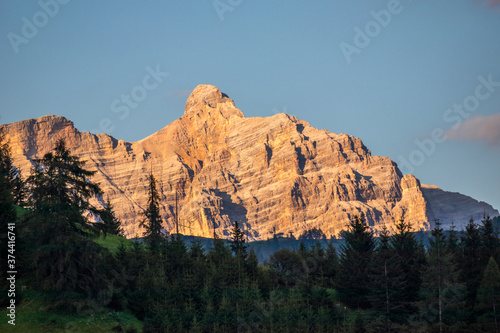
207,99
274,175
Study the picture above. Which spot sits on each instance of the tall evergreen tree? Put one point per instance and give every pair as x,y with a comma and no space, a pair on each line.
238,241
152,222
252,266
442,293
7,211
385,278
240,250
331,267
453,245
355,257
489,295
490,244
410,256
64,258
471,267
60,184
110,224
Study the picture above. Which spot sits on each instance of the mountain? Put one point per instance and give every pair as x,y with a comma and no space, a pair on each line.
273,175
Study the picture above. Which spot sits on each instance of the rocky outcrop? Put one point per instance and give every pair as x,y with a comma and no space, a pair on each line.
273,175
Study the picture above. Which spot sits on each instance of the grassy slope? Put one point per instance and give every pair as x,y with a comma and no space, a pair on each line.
112,242
34,315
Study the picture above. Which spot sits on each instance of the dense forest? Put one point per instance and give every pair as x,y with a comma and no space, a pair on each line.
389,283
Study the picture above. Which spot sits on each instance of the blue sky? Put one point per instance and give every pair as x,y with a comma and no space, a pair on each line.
402,78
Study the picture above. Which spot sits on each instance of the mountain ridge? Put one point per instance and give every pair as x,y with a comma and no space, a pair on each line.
273,174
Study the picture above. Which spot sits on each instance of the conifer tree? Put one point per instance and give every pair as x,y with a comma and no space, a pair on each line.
7,211
60,184
110,224
385,278
490,244
442,293
238,241
64,257
252,265
152,222
355,257
489,294
471,267
239,249
452,243
410,257
332,262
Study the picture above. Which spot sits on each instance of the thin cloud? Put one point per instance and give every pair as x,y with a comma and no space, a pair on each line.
491,3
480,128
179,93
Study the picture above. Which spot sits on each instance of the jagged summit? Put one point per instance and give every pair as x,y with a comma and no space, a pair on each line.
49,120
206,95
274,175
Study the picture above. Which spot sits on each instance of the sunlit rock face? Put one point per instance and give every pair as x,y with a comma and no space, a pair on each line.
273,175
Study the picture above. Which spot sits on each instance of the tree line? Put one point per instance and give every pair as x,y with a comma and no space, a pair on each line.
390,283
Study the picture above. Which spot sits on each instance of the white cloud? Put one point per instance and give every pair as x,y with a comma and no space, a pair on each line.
179,93
480,128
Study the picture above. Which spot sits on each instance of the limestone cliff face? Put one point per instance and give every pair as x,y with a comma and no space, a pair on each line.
275,174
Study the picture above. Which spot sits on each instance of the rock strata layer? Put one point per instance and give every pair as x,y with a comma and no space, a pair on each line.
273,175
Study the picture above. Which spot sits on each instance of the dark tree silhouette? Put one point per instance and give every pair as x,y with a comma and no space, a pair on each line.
152,222
109,224
410,256
238,241
489,295
64,256
355,258
7,210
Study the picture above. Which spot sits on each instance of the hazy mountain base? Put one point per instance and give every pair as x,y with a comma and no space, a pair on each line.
265,248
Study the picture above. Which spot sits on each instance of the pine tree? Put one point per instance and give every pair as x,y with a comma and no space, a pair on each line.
65,258
355,257
59,184
317,265
332,262
110,224
490,244
152,222
7,211
385,278
198,267
252,266
452,243
471,267
239,249
410,257
237,244
442,293
221,273
489,294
